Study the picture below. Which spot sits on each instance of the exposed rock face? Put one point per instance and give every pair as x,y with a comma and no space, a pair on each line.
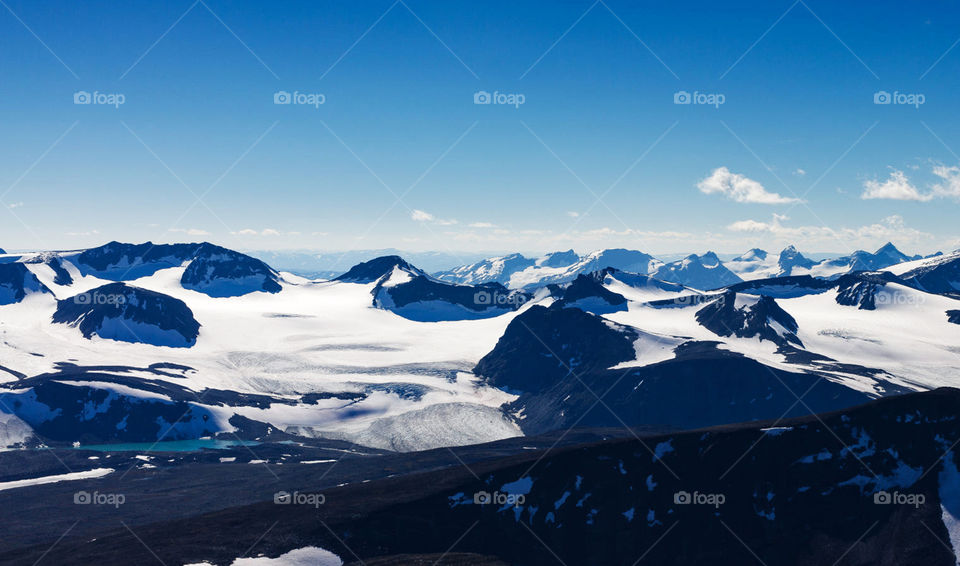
118,311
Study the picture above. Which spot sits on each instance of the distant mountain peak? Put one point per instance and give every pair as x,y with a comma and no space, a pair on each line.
887,248
752,255
710,259
700,272
370,271
790,258
560,259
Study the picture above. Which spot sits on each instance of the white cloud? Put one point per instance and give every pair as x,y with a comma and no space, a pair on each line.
573,214
252,232
421,216
482,225
740,188
191,231
896,187
799,172
88,233
950,187
13,205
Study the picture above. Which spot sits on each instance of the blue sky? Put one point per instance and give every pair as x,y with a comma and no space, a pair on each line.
198,149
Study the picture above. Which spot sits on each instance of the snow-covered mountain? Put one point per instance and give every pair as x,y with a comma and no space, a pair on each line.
518,272
758,264
411,293
705,272
117,311
491,270
388,356
939,274
16,282
754,261
148,329
791,259
747,346
860,260
698,271
330,264
219,272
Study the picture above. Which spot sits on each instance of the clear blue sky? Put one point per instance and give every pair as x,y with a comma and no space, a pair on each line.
598,82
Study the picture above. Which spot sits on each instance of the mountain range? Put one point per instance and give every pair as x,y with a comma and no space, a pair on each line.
704,271
571,381
381,354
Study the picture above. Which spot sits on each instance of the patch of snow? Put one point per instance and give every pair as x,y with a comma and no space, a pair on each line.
95,473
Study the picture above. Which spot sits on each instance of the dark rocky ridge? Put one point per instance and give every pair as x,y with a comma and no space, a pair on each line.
860,289
118,311
559,361
213,270
802,493
16,281
373,270
722,317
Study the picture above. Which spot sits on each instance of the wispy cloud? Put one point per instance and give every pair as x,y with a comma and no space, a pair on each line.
190,231
950,186
423,216
264,232
740,188
890,228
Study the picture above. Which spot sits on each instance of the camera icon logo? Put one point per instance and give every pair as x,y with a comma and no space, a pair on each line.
482,498
281,97
881,97
82,299
681,97
282,498
882,498
681,498
82,97
482,97
82,498
482,298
